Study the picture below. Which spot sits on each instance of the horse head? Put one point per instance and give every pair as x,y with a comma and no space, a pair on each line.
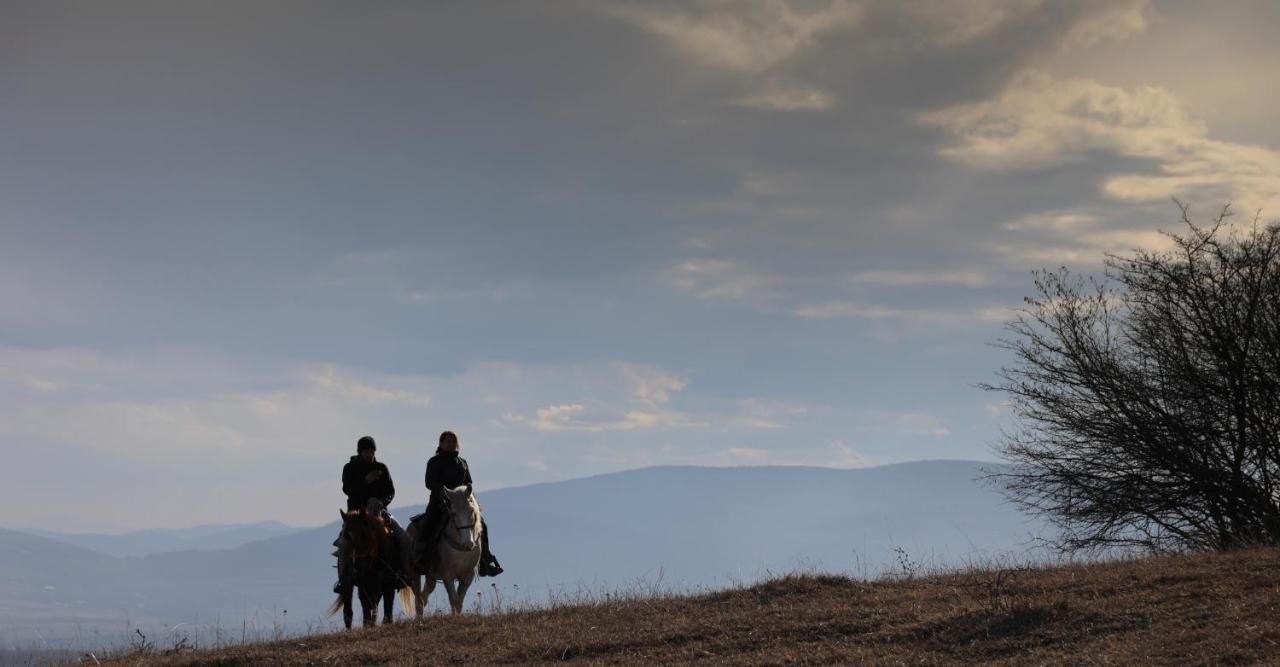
361,529
464,515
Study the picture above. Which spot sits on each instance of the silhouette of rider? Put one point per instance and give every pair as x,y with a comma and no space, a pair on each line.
367,483
448,470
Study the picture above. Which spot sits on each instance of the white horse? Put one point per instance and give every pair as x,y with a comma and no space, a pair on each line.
457,553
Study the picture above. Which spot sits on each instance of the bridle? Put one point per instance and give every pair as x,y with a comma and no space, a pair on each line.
458,527
374,550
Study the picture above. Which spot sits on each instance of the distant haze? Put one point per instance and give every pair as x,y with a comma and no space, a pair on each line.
672,528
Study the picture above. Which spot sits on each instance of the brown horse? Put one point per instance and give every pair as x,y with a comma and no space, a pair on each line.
374,556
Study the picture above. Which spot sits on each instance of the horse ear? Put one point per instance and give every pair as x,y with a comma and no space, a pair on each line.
469,490
342,514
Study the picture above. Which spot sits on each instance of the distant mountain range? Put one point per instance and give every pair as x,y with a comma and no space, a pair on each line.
146,542
678,527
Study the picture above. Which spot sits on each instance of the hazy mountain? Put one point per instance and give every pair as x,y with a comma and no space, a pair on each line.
144,542
698,527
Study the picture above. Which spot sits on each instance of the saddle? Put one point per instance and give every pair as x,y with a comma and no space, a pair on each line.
424,545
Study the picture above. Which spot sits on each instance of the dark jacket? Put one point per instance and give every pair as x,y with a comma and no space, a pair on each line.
446,470
358,492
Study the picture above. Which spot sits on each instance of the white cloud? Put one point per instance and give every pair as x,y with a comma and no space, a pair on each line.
356,391
576,417
1040,121
847,456
1112,21
1072,237
653,386
748,454
910,423
836,453
846,309
1064,221
897,278
746,37
722,280
778,96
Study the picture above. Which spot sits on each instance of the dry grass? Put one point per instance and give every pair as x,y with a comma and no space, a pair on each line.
1198,609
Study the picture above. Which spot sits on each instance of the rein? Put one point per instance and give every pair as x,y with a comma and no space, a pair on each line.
453,542
374,551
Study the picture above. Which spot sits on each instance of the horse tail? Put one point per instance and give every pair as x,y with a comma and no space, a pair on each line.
406,599
338,604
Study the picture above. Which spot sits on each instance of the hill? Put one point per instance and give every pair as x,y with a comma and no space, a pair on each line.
207,537
686,528
1198,609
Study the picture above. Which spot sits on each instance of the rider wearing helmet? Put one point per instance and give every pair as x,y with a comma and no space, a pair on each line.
448,470
367,483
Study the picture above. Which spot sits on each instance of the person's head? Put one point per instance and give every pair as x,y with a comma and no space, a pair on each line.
366,447
448,441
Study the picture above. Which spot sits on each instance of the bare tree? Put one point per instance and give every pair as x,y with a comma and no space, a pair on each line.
1147,401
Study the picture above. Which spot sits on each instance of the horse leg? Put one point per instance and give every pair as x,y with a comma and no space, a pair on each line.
452,590
463,584
368,606
419,598
388,601
346,606
427,589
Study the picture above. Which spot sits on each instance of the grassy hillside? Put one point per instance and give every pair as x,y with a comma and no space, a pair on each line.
1218,608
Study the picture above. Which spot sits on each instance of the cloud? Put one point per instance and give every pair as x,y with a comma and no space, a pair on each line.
1073,237
836,454
788,97
909,423
653,386
748,454
357,391
1040,122
576,417
845,309
1113,21
742,37
899,278
847,456
722,280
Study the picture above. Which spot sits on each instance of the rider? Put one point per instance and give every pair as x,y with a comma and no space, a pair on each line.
368,486
448,470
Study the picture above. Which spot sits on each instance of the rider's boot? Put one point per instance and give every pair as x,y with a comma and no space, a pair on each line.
341,553
342,576
489,566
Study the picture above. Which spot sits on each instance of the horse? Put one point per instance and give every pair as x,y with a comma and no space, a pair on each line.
373,550
457,553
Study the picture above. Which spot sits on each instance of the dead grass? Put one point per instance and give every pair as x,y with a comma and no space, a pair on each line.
1198,609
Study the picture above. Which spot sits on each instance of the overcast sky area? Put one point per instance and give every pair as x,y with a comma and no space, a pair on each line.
587,236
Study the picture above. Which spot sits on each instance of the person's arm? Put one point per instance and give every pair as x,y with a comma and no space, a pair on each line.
391,487
433,476
466,473
350,485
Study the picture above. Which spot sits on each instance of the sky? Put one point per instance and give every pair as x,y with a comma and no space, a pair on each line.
587,236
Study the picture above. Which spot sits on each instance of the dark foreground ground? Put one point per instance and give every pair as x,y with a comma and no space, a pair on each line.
1199,609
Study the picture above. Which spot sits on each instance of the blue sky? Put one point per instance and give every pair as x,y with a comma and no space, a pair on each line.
587,236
